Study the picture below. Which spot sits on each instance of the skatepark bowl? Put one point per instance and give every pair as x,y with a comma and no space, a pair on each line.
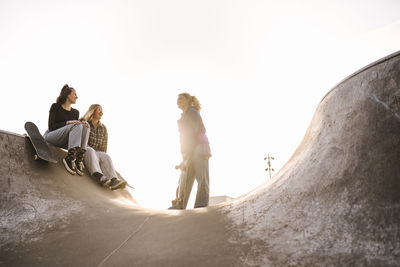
336,202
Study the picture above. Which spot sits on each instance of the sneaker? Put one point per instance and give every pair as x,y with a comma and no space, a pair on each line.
101,179
104,181
97,175
79,167
116,183
69,165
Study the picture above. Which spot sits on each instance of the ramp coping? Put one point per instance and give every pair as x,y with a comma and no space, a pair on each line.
379,61
11,133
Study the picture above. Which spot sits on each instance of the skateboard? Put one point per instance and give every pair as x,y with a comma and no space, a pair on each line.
42,150
184,187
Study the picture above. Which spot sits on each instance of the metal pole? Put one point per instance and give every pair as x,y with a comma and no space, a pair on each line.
269,169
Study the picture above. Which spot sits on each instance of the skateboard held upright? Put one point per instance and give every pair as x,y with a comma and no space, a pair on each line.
184,187
42,150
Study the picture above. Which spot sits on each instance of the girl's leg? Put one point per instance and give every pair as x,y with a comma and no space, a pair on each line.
108,169
203,184
106,165
203,180
58,137
78,138
92,161
85,136
75,136
69,136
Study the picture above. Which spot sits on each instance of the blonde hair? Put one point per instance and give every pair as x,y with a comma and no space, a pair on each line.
89,114
193,101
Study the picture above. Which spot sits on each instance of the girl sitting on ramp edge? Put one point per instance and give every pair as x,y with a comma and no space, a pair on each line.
97,161
66,131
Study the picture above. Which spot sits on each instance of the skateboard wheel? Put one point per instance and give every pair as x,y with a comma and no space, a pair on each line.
36,157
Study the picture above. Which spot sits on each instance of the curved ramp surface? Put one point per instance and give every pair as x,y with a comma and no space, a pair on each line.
336,202
52,218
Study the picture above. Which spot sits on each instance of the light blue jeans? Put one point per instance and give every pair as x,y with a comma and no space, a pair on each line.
98,161
69,136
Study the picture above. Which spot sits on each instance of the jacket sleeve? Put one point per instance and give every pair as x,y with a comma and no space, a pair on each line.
53,125
105,139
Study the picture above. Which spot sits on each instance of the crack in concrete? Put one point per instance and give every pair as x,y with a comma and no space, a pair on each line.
123,243
386,106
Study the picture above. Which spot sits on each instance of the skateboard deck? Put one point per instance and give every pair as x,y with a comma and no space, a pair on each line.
42,150
188,183
185,184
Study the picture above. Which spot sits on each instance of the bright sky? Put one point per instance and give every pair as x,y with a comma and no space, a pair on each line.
259,68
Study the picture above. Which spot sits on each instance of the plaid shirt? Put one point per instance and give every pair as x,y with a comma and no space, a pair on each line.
98,137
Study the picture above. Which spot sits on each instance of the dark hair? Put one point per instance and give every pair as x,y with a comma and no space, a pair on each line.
65,91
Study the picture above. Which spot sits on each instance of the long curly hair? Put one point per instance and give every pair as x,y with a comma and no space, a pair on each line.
193,101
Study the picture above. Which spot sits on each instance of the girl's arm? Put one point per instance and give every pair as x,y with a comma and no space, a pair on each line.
106,139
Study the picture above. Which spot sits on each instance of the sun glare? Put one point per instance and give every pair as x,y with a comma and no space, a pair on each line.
259,69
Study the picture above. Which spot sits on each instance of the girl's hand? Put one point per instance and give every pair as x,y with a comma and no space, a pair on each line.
73,122
181,166
86,123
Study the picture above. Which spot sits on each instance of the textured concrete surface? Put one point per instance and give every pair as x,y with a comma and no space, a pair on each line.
52,218
336,202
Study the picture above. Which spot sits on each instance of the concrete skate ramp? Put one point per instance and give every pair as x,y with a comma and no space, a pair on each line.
336,202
